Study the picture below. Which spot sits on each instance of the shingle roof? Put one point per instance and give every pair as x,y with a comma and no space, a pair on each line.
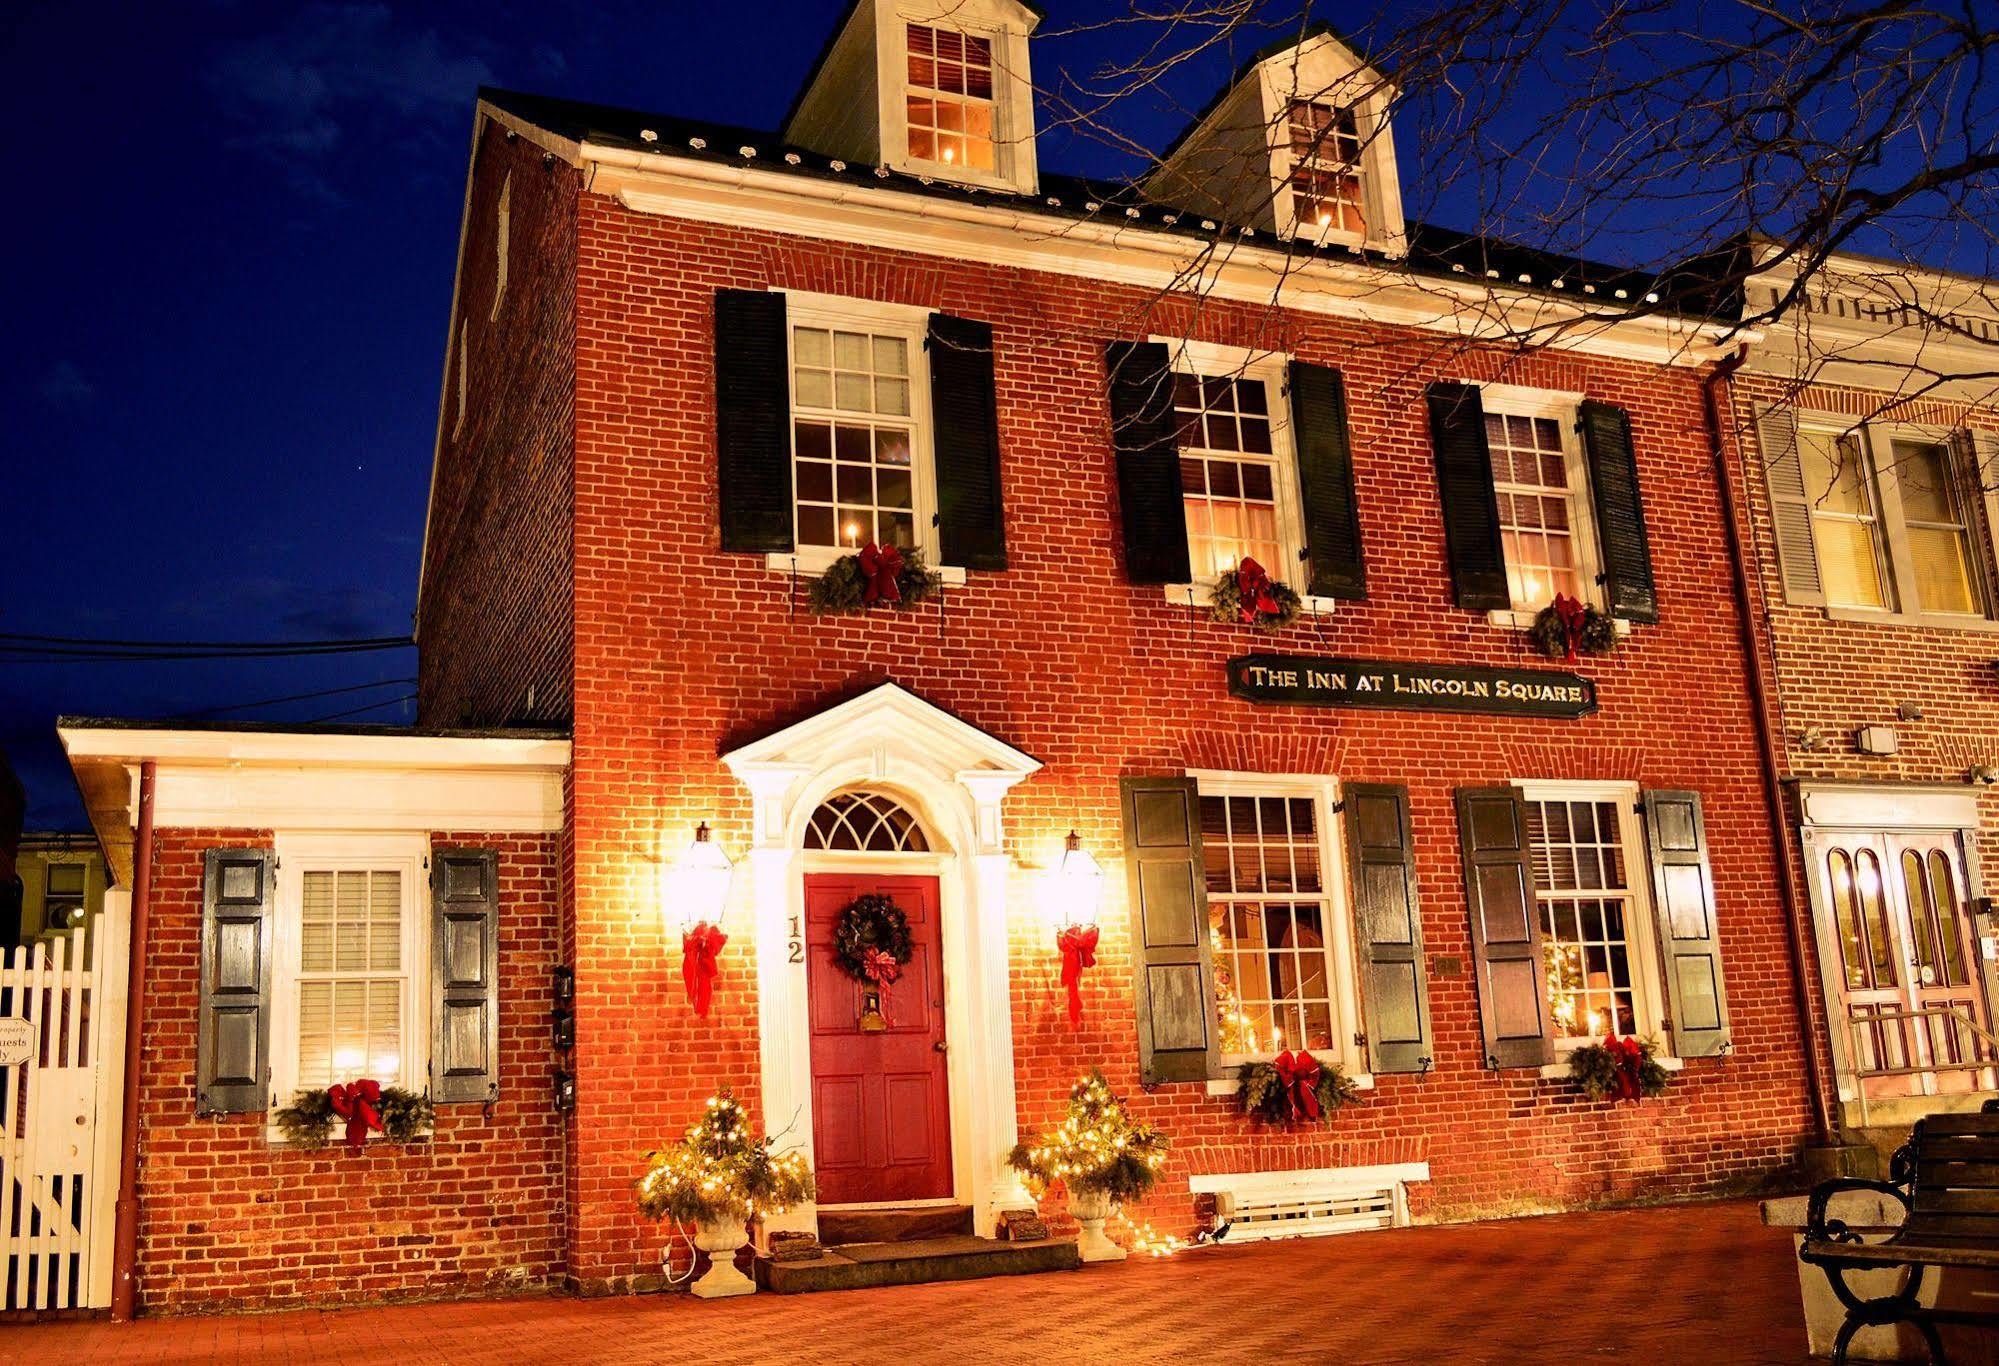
1693,290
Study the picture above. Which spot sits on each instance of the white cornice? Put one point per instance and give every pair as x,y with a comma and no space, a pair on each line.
134,744
1003,234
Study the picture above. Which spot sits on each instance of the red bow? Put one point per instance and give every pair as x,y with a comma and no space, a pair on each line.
1629,1056
359,1103
1572,615
1079,950
1253,590
880,566
880,968
1298,1075
699,948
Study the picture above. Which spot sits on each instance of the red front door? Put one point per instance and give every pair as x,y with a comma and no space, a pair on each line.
881,1117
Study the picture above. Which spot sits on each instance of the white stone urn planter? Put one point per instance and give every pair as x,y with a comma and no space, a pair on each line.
1091,1209
721,1239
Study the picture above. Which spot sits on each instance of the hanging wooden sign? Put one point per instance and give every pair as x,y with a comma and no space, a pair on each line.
1397,685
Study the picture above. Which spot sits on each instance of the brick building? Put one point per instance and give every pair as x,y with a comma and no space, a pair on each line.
692,369
1867,457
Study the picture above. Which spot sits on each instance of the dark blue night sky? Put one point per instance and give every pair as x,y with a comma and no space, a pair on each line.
228,246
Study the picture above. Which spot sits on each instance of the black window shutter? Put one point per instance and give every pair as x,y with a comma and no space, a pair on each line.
1383,853
1325,482
1169,910
1471,504
1148,463
1683,897
971,530
1505,927
464,971
753,420
1620,512
233,1045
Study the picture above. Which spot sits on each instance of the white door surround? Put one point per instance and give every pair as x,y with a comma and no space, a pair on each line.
955,777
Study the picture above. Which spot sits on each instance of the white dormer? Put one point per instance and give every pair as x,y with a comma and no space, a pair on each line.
1300,145
938,88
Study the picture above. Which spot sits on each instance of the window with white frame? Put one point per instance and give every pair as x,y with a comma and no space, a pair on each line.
65,892
1229,475
351,977
1271,927
1595,916
1846,518
858,472
1543,497
1895,518
949,102
1325,180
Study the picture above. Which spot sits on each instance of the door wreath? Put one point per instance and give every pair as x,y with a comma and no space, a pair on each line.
871,944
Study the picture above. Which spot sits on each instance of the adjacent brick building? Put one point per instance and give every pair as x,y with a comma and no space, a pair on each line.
1868,451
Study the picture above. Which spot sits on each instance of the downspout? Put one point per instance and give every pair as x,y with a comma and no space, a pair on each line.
125,1236
1772,764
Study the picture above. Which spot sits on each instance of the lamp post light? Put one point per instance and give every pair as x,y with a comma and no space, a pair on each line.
698,893
1077,887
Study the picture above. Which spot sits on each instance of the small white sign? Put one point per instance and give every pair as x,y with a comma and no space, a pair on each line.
17,1041
1991,946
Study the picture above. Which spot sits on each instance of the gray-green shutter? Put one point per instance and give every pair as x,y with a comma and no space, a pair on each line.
1505,927
1471,503
971,525
1151,505
1683,897
1325,482
753,420
1620,512
232,1066
1790,506
464,969
1383,852
1169,918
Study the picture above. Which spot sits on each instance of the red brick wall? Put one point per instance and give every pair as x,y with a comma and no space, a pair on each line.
1099,679
1833,676
230,1222
494,613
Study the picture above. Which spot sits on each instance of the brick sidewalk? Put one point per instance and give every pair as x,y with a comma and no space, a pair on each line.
1690,1283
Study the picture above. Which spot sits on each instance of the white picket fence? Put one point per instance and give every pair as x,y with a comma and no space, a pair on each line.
59,1114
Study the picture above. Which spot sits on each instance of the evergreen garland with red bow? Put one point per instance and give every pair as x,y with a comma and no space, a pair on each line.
1567,629
1294,1088
359,1107
1248,596
1619,1068
873,576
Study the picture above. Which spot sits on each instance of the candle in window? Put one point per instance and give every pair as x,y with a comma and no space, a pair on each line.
853,530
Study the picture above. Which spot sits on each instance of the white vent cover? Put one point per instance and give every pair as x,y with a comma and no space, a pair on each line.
1301,1204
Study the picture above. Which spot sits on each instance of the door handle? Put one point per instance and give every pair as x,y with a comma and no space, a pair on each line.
941,1047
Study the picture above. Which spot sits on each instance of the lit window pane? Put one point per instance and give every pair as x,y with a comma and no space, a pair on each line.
1267,924
1227,476
1531,477
1579,868
866,383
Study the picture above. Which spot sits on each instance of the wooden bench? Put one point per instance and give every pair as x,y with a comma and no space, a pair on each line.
1947,1178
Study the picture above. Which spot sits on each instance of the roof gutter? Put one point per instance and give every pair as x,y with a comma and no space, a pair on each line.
1355,281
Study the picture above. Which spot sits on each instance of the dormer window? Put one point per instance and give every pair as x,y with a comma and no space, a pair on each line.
932,88
950,98
1325,169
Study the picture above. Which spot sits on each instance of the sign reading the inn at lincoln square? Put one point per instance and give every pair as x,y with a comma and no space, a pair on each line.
1394,685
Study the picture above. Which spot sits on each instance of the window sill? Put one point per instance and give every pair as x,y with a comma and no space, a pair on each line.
1195,595
1227,1086
1558,1070
1925,621
817,560
1508,619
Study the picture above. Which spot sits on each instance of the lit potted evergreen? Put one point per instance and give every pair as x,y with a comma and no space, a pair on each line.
1102,1155
718,1178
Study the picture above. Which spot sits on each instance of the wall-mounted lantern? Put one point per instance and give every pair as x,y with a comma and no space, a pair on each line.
1076,886
697,892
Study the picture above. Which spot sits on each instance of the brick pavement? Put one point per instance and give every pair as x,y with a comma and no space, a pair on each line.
1690,1283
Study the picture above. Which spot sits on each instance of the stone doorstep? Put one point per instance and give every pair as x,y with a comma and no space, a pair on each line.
859,1266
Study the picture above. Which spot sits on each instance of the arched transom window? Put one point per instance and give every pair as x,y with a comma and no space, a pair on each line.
866,822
